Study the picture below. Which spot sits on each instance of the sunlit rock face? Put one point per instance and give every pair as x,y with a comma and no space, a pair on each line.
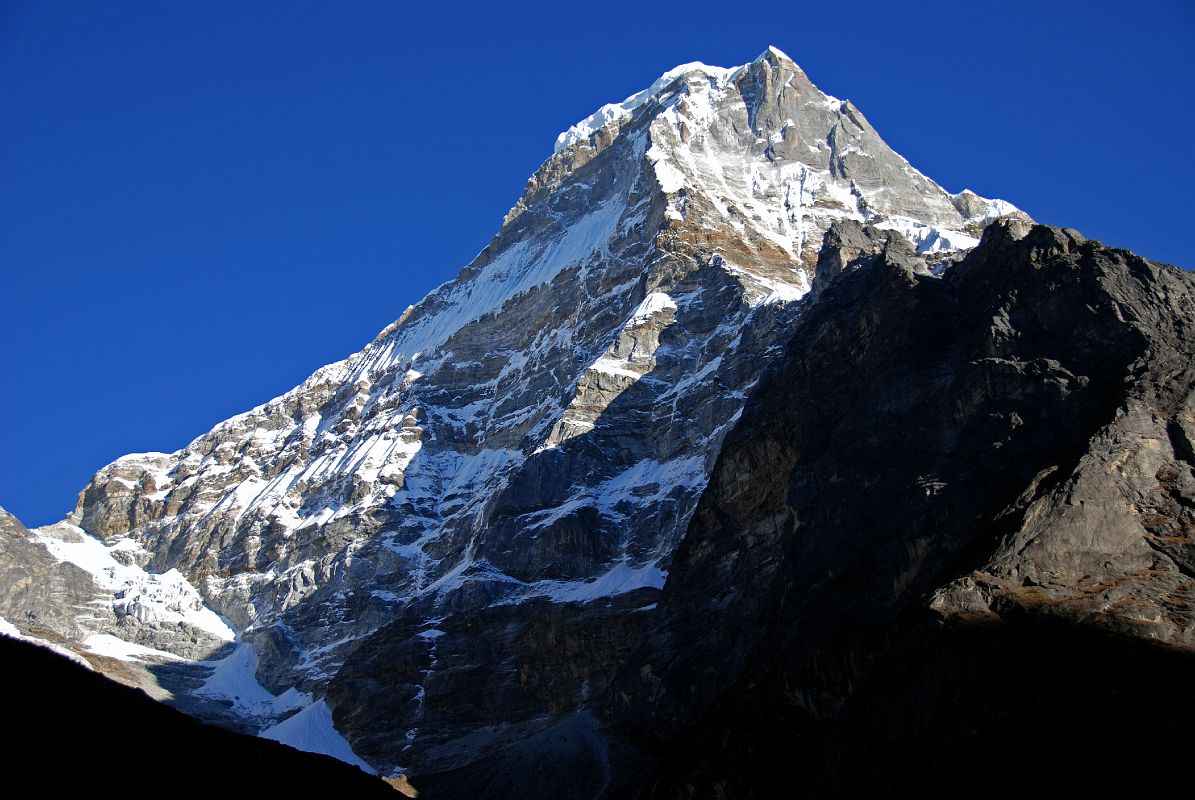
528,443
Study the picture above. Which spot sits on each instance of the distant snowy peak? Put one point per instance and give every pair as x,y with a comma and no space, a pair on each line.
619,112
812,158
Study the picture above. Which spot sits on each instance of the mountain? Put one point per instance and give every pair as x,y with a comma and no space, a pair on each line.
491,537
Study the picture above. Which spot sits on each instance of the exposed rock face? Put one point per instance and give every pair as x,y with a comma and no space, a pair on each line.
63,586
526,446
44,594
955,506
486,680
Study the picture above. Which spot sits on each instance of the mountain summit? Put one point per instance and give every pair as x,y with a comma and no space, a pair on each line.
448,541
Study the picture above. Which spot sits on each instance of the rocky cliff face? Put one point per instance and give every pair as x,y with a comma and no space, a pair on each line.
952,528
520,453
65,587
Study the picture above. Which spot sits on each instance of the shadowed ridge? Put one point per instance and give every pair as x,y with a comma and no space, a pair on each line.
951,534
77,730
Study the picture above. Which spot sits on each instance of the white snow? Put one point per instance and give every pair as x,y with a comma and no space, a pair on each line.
686,473
654,303
769,290
518,269
776,51
166,597
8,629
630,368
609,365
992,209
235,679
312,730
105,644
289,700
622,578
927,238
617,112
670,179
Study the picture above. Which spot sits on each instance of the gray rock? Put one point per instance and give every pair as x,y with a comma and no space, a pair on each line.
42,596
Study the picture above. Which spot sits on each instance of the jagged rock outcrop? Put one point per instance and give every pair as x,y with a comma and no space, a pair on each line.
952,529
64,586
45,594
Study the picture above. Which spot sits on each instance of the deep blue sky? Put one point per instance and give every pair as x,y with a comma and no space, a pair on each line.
201,202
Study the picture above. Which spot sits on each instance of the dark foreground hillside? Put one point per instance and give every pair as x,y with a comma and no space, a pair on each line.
68,729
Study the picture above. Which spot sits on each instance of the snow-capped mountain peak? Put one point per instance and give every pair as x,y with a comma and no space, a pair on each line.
537,431
614,113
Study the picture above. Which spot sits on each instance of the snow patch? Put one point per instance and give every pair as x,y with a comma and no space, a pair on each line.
990,209
619,580
670,179
763,290
235,679
167,597
312,730
290,700
105,644
654,303
630,367
516,270
927,238
617,112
